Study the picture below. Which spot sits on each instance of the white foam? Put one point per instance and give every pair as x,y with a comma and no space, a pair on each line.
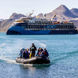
40,44
43,45
8,60
2,45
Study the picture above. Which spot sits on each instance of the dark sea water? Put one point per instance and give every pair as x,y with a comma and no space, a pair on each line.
63,54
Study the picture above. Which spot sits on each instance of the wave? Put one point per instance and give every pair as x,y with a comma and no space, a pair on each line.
65,56
8,60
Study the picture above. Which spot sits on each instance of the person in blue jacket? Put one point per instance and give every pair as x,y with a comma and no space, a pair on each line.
26,54
21,52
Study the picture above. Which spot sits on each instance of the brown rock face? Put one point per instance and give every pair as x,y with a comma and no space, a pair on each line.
5,24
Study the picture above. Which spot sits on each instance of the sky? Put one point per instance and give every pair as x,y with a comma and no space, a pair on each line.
7,7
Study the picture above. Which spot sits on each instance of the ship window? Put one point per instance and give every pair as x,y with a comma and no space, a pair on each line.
21,24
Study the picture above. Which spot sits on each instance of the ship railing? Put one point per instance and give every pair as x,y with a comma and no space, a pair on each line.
38,24
47,29
46,23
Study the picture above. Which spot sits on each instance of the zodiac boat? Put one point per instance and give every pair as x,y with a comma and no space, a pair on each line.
33,60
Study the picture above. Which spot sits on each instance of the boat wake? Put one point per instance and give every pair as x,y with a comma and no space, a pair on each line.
8,60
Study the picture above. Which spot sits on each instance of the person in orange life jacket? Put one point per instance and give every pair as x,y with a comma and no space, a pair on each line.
33,49
25,54
45,53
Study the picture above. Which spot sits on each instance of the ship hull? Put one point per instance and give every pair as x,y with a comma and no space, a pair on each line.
22,31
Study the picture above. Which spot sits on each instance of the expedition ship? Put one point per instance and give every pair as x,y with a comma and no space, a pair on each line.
37,26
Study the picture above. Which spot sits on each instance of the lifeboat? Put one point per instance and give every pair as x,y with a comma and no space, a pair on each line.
33,60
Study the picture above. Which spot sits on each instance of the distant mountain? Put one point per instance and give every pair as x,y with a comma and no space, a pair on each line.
61,12
74,11
16,16
5,24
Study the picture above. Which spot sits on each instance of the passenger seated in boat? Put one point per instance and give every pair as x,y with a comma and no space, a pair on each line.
39,53
21,52
28,50
33,49
25,54
38,50
45,53
42,53
29,53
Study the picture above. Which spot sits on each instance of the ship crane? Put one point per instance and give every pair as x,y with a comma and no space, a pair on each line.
54,18
30,14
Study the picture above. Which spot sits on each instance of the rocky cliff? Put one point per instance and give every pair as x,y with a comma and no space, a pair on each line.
5,24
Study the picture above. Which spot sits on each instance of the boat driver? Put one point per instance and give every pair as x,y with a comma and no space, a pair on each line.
32,50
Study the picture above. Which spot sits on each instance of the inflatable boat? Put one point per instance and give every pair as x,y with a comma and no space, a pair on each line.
33,60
